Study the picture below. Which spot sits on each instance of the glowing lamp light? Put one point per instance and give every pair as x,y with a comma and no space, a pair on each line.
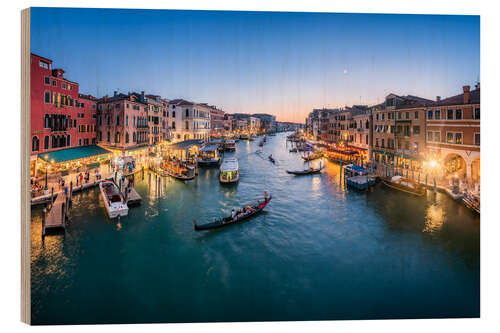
433,163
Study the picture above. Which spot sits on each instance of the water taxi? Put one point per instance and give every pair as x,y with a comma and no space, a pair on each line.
209,156
244,136
229,171
405,185
230,145
113,200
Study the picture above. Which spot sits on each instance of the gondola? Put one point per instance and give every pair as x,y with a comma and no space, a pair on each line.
270,157
312,157
229,220
309,171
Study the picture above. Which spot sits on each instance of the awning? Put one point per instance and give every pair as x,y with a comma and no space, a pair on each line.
382,152
73,154
208,148
183,145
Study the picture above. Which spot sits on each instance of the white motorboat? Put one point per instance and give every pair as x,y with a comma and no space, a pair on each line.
113,200
229,171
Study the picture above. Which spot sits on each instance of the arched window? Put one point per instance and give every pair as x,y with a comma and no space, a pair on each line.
134,137
187,124
173,124
35,144
46,121
117,138
46,142
68,140
108,138
187,112
126,137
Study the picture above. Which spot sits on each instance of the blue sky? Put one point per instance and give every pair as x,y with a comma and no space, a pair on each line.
279,63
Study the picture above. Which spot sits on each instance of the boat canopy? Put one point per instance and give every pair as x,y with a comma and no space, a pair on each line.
229,164
208,148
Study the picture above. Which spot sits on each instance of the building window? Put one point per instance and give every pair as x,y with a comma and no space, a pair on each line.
437,136
134,137
437,114
46,80
477,113
46,142
458,114
416,114
187,113
79,142
108,137
383,116
126,137
383,143
126,120
376,142
449,115
376,116
477,138
407,115
458,138
449,137
54,83
173,124
118,120
35,144
117,137
416,130
47,97
44,64
430,114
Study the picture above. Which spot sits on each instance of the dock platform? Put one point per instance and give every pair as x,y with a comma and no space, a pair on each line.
133,198
56,217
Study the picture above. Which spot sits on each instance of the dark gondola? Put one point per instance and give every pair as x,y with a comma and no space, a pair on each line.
271,159
309,171
229,220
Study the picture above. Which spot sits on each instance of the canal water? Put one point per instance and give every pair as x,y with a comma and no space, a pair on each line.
319,251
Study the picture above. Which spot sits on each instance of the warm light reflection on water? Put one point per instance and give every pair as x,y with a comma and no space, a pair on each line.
434,218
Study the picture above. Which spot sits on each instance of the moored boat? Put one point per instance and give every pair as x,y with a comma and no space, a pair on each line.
186,172
471,201
404,185
312,156
113,200
209,156
236,216
357,177
229,171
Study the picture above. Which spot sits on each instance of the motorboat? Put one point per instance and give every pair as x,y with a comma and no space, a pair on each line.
229,171
113,200
209,156
405,185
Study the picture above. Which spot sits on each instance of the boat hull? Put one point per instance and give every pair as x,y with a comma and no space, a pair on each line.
113,210
219,224
403,188
229,181
209,163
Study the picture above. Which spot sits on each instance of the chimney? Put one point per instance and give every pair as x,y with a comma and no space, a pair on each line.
466,94
438,98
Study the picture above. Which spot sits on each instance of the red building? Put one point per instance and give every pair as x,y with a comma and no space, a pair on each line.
57,110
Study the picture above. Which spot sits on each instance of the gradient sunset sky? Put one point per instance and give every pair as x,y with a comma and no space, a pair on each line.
280,63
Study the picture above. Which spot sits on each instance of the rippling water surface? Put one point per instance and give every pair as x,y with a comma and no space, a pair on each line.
318,251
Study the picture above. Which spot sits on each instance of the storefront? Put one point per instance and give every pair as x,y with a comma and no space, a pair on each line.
66,161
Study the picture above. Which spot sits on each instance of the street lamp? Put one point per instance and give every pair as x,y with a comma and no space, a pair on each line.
46,171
